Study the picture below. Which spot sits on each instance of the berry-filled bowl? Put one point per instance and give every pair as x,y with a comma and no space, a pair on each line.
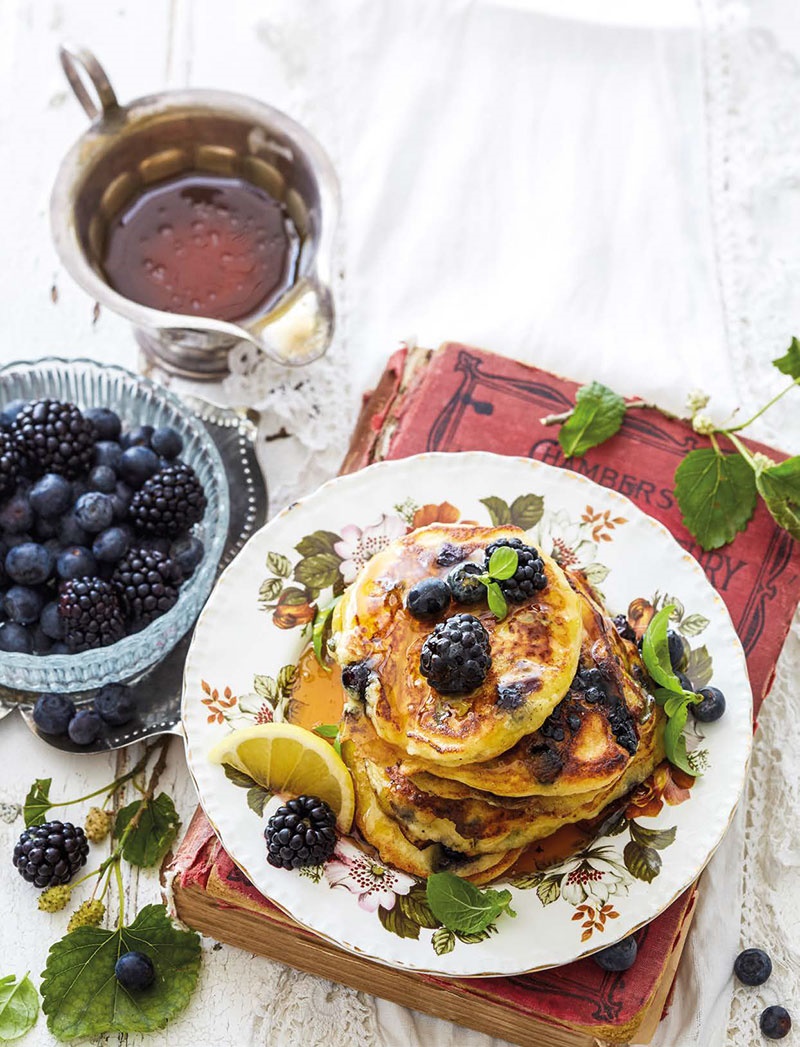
114,509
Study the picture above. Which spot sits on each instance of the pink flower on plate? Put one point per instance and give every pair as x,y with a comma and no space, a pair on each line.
357,545
374,883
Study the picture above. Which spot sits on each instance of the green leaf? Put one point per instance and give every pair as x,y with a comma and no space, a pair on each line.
642,862
655,650
789,363
321,622
19,1007
675,743
443,941
463,907
397,922
257,798
693,624
526,881
269,591
279,564
699,667
266,687
415,906
527,510
37,802
149,841
318,572
496,600
658,838
503,563
596,573
82,998
499,512
318,542
716,494
473,937
233,774
549,890
779,486
327,730
287,675
597,415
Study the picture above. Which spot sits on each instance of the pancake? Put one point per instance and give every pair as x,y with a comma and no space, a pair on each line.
535,651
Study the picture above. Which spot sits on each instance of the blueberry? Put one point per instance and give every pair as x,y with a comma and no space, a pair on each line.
111,545
51,622
121,499
115,703
70,531
138,464
775,1022
134,971
76,561
103,478
711,707
16,515
46,528
450,555
53,712
29,564
10,412
464,584
356,677
166,442
106,424
684,681
617,957
94,511
15,638
59,647
752,967
84,727
107,452
40,640
186,553
23,605
677,653
52,495
79,487
428,598
139,436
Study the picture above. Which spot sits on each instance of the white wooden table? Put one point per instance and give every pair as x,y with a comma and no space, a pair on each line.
549,187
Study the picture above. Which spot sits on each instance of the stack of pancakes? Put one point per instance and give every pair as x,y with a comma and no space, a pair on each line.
560,727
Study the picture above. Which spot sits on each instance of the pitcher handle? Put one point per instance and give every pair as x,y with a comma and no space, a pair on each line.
80,65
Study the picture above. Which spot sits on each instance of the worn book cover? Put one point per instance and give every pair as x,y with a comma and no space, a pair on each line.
458,398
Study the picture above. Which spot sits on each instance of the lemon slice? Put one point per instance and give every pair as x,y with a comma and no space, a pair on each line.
285,758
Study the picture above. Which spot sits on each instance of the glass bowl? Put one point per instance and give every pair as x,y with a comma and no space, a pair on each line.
138,401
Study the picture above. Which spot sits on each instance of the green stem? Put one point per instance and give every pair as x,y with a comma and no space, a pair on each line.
740,447
766,407
112,788
121,890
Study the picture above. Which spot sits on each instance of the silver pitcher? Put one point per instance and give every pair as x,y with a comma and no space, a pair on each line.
128,148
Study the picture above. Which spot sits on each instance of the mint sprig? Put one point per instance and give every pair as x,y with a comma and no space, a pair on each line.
674,700
502,565
717,488
331,732
463,907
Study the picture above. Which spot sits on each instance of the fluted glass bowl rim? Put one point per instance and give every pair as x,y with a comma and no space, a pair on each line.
134,654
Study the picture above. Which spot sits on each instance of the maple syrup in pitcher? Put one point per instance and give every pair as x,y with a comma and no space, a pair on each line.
203,245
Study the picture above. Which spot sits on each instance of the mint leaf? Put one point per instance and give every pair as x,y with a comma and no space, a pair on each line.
327,730
81,996
321,621
503,563
37,802
597,415
461,906
716,494
496,600
19,1007
150,840
655,650
675,743
789,363
779,486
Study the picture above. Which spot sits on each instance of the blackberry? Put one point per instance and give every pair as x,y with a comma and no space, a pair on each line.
428,598
168,503
54,437
529,576
455,657
302,832
464,584
50,854
91,612
9,463
148,581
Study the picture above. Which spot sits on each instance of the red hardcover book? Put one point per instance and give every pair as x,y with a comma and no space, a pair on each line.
458,398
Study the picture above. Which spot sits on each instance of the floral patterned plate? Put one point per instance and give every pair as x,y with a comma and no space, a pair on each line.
241,669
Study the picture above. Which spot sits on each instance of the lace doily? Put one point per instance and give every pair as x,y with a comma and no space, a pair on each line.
753,98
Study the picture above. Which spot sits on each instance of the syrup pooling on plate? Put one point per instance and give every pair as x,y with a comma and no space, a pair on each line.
203,245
